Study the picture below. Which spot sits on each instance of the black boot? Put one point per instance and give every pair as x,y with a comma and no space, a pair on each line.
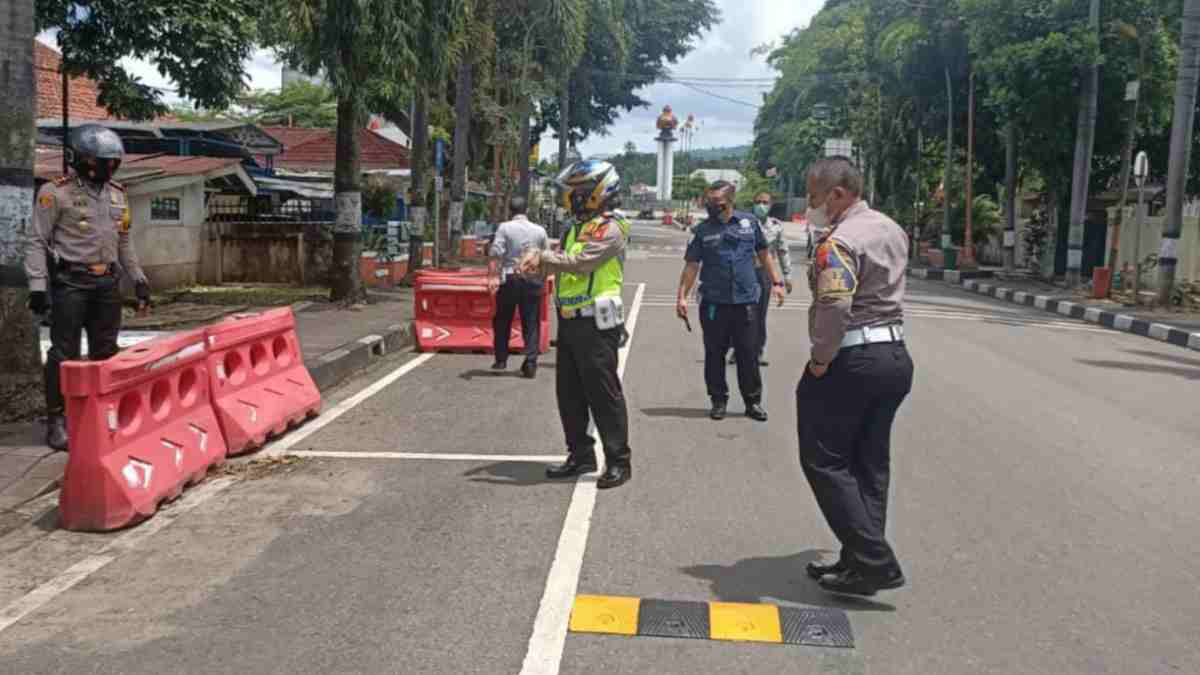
570,468
756,412
56,432
615,475
851,582
718,410
816,570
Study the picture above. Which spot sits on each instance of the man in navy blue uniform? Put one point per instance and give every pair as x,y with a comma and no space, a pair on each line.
722,254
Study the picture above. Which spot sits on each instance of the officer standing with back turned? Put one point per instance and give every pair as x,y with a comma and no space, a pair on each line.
859,373
722,253
78,244
591,321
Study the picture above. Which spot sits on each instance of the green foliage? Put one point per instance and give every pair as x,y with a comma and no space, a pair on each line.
379,199
301,104
201,45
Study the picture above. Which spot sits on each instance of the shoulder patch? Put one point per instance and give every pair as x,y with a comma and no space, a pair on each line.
46,199
835,274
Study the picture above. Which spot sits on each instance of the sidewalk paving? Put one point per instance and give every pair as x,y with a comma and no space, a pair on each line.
336,342
1177,327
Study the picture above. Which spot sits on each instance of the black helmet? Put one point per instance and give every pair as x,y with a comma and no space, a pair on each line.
95,152
588,187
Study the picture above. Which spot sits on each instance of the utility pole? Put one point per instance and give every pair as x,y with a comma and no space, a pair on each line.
1010,198
20,356
1085,137
969,178
1141,169
1181,143
1132,93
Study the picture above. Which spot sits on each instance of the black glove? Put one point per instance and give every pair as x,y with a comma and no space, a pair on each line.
38,302
142,291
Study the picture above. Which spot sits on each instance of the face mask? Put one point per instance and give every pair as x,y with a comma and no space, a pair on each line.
761,210
714,211
818,217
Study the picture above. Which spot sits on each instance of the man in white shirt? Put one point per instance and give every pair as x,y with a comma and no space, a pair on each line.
513,292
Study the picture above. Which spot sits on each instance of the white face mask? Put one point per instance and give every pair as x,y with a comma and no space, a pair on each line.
817,217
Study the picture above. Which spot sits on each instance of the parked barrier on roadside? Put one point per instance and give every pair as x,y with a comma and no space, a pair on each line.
454,311
260,386
142,428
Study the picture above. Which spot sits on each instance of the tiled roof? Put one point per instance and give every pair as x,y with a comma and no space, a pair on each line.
316,150
83,92
135,167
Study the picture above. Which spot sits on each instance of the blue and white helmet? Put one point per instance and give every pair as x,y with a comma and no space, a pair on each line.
588,187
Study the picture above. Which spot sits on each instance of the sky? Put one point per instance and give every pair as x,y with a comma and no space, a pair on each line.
723,52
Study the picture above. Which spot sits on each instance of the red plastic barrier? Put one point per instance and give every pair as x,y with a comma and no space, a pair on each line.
260,386
142,428
454,312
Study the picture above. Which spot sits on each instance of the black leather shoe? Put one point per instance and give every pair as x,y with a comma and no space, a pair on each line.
816,570
850,582
56,432
615,476
718,410
499,365
529,370
755,412
570,468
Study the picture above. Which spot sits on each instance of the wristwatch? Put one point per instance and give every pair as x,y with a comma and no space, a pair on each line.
779,284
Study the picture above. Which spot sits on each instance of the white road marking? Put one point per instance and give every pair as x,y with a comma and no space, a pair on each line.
544,653
337,454
281,446
38,597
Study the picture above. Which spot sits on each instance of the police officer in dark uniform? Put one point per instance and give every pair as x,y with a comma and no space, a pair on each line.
859,373
722,253
78,244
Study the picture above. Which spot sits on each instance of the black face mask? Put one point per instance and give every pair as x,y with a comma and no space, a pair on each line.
714,211
98,171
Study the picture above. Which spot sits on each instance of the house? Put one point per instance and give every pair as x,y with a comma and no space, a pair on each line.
82,92
308,150
168,196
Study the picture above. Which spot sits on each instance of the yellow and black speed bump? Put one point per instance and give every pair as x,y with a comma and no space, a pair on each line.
741,622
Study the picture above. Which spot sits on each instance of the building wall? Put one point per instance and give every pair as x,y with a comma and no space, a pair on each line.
1151,239
170,250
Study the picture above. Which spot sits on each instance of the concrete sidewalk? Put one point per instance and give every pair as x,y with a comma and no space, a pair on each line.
336,343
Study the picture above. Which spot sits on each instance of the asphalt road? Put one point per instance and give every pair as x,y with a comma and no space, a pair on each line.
1044,507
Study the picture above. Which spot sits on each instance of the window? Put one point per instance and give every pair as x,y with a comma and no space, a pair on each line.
164,209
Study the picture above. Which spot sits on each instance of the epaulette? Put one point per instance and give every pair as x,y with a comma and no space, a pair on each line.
117,185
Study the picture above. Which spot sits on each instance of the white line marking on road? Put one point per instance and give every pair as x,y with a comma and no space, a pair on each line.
544,654
337,454
281,446
31,601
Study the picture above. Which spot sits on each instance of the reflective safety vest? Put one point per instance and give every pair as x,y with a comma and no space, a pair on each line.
576,291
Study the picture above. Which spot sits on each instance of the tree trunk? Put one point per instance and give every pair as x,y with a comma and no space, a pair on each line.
1085,137
1181,147
1010,197
946,230
347,232
564,121
1114,253
418,213
20,356
525,147
462,132
969,173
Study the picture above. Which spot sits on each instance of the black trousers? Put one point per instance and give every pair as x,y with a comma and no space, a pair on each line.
764,304
845,421
524,295
588,387
733,326
80,302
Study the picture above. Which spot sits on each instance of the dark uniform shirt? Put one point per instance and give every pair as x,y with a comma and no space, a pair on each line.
857,278
726,253
81,224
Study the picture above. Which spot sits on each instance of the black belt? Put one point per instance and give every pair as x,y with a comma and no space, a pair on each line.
93,270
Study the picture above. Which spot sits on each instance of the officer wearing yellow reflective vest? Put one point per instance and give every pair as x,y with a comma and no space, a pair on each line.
590,269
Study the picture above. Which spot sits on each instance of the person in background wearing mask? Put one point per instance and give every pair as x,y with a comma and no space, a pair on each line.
859,373
722,253
777,247
78,243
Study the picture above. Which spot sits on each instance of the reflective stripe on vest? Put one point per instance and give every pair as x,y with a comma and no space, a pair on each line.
576,291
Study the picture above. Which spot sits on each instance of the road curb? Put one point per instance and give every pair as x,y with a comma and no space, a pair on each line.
337,365
949,276
1074,310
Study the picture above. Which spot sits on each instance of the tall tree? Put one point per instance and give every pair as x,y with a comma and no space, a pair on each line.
357,44
1085,140
20,358
1181,146
200,45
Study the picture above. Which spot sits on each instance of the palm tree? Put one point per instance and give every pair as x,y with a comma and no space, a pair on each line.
1181,143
